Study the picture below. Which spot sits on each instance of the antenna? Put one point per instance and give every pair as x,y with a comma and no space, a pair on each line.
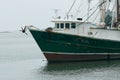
70,8
88,8
56,13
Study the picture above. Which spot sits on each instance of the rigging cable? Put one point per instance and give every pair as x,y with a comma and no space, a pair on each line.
70,8
78,10
91,14
96,16
91,9
95,10
98,12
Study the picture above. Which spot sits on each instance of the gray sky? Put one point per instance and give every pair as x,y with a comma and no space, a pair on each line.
15,14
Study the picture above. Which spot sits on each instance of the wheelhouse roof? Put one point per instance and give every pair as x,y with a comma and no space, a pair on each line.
68,21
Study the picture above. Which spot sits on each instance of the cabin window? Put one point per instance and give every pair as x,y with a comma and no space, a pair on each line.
57,25
62,25
73,25
67,25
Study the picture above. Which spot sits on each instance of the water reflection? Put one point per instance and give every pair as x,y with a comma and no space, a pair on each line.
98,70
81,66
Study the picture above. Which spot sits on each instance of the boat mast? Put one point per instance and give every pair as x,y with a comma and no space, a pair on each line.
102,12
118,11
88,9
117,23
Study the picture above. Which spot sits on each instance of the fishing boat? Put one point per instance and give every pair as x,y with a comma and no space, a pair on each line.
82,40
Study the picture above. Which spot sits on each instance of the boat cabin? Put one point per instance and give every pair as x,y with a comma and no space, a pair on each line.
72,26
66,24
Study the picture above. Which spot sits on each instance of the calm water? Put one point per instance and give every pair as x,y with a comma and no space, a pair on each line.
21,59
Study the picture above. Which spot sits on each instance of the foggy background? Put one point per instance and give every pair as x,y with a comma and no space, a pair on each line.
15,14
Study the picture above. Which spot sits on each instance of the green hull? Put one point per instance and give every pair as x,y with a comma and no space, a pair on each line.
64,43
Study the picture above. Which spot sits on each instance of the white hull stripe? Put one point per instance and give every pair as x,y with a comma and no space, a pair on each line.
81,53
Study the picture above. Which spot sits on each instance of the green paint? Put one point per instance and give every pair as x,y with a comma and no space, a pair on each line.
57,42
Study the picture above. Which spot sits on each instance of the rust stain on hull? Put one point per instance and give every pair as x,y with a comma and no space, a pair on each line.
82,57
